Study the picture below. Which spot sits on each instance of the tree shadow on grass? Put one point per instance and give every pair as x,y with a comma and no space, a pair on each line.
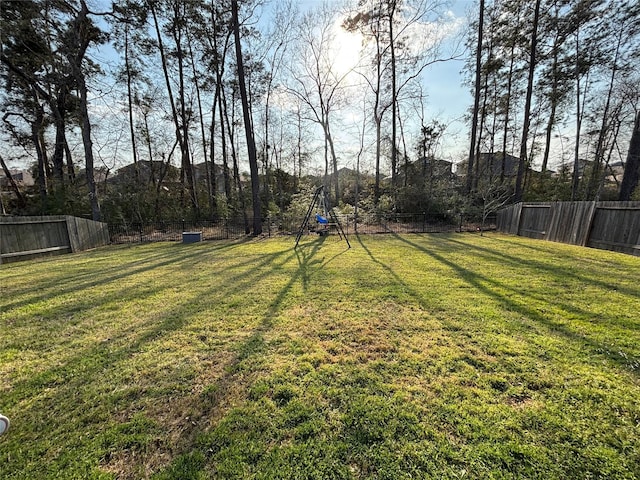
555,273
66,389
58,388
307,263
207,413
170,320
64,283
556,270
481,282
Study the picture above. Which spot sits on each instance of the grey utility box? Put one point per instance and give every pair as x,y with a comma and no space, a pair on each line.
191,237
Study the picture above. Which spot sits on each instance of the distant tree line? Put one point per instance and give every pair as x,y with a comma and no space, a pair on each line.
545,67
226,107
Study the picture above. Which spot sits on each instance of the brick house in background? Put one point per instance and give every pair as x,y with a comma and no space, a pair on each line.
22,177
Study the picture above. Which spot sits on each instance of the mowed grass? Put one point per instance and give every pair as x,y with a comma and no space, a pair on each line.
417,356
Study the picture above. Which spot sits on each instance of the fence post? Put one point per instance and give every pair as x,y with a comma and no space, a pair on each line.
424,222
519,209
589,224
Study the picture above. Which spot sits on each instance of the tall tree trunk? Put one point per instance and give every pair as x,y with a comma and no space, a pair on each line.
334,163
58,108
298,148
632,167
405,157
134,150
554,104
230,120
70,167
482,112
220,99
185,156
85,127
476,102
507,111
76,58
36,127
394,94
575,181
236,172
377,115
326,157
494,123
376,188
224,117
187,172
265,154
600,146
212,144
248,125
358,157
527,106
210,177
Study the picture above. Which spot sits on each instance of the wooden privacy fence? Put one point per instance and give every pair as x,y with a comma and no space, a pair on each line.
605,225
22,238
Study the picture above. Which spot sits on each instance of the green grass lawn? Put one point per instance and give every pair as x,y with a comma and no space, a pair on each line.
417,356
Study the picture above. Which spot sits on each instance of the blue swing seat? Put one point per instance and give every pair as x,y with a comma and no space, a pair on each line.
322,220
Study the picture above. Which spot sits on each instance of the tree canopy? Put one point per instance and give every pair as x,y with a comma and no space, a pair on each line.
163,109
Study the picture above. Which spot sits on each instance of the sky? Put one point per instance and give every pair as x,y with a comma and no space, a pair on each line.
448,100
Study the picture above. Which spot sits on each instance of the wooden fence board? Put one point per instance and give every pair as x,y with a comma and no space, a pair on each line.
608,225
616,229
26,237
534,220
508,219
556,228
580,216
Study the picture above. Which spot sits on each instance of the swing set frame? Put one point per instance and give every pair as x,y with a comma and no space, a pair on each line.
321,200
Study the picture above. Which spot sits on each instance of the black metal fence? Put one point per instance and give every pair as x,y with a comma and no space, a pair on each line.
167,231
235,228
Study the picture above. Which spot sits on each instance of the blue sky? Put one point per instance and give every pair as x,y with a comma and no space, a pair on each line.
448,99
